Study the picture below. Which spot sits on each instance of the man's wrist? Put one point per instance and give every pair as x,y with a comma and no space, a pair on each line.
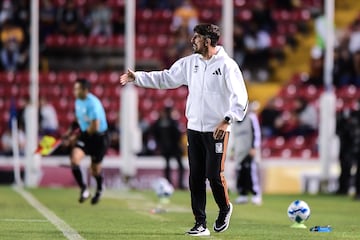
227,120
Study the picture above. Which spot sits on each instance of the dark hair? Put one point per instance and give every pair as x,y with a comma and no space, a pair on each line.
84,83
210,31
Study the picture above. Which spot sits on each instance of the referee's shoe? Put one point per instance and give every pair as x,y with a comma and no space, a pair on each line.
84,195
223,220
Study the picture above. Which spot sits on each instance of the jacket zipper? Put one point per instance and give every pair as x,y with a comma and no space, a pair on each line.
202,97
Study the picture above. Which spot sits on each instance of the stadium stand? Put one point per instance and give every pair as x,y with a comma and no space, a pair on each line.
102,58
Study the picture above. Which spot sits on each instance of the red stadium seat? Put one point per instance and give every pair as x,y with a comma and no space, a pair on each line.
92,76
116,3
67,77
98,41
289,92
7,77
164,16
243,15
117,41
55,40
278,41
47,78
310,92
144,15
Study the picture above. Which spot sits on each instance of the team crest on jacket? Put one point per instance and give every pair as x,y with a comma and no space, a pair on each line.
218,147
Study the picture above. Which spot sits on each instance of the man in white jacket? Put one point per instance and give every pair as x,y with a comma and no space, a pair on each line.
217,97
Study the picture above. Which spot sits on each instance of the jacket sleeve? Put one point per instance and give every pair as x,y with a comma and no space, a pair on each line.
166,79
238,94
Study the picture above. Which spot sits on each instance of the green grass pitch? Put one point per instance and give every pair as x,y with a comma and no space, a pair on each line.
127,215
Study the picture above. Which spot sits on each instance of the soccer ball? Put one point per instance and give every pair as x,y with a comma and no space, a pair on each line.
298,211
163,188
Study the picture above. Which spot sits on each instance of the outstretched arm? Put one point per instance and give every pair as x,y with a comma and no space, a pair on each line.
127,77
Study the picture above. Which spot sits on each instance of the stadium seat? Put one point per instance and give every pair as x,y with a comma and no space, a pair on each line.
67,77
280,15
47,78
98,41
286,28
349,91
116,3
55,40
243,15
289,92
22,77
310,92
164,16
117,41
301,15
143,15
277,41
92,76
7,77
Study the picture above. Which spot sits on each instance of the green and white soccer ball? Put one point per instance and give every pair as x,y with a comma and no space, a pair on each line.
298,211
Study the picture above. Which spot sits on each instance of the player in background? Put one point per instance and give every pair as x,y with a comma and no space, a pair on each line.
217,97
245,150
93,139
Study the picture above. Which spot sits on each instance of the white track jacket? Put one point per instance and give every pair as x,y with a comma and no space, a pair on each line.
216,88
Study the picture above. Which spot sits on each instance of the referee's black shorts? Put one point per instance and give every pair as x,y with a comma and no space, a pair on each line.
94,145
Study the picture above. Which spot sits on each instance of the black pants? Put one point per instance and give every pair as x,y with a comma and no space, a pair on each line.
94,145
206,161
247,180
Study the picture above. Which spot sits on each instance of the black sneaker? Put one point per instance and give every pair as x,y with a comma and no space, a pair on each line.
199,230
223,220
84,195
96,198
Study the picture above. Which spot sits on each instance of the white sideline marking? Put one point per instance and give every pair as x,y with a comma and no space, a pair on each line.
68,231
22,220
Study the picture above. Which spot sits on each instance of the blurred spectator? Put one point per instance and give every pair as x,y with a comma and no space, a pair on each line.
257,52
354,40
356,61
21,106
287,4
100,19
303,120
6,142
158,4
343,67
261,14
239,45
185,16
14,53
147,141
168,138
316,76
47,19
68,18
118,21
21,14
245,148
6,11
268,118
320,28
345,130
114,134
356,145
48,118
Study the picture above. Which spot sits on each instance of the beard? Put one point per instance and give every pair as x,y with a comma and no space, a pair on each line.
200,50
